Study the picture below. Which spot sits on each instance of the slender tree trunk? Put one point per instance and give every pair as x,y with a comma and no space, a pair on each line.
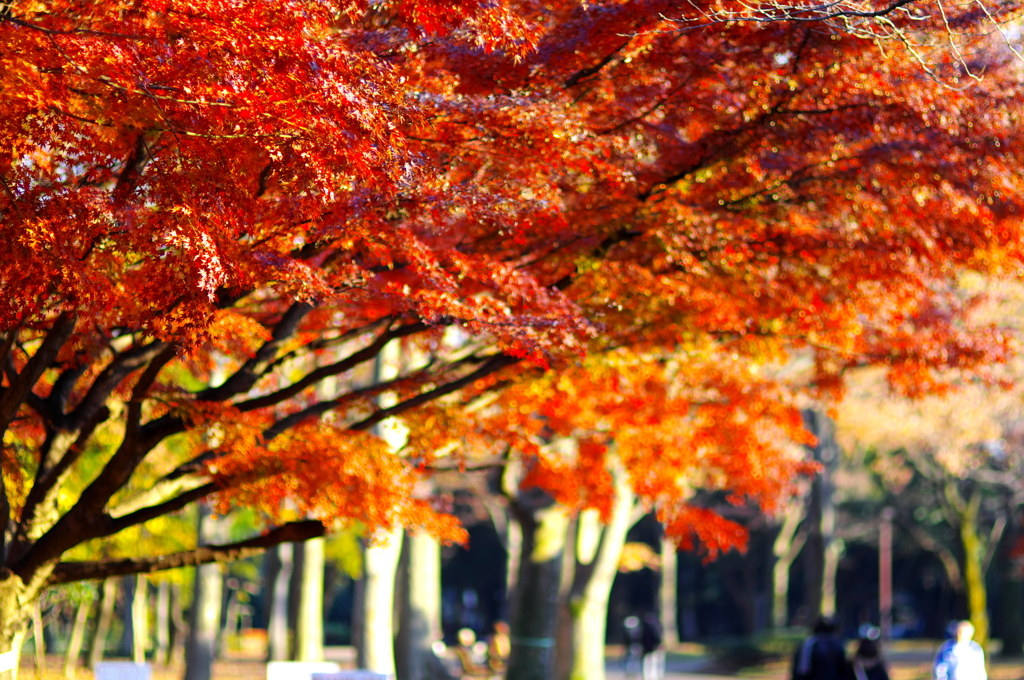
377,648
786,547
534,616
204,624
12,643
514,552
39,642
163,624
669,592
104,617
828,586
595,574
277,629
124,645
974,573
420,620
74,650
229,628
309,629
140,619
179,629
294,597
820,512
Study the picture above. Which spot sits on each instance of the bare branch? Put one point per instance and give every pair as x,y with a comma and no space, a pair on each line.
945,555
591,70
117,524
315,376
123,365
66,572
246,376
86,519
21,385
994,537
492,365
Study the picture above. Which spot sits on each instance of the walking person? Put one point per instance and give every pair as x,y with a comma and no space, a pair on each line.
867,661
654,655
821,656
960,658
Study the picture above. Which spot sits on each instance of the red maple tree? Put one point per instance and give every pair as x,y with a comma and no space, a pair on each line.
215,216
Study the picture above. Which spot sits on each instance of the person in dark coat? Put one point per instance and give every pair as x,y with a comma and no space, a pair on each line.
821,656
654,656
867,662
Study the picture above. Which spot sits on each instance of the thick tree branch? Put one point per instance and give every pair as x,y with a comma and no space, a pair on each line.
5,516
994,536
321,407
348,363
5,348
116,524
123,364
245,377
492,365
575,78
48,476
86,520
945,555
21,385
66,572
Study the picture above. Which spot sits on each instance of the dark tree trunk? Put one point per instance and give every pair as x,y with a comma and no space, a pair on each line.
204,624
534,615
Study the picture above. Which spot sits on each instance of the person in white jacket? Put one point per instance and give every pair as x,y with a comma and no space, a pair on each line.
960,658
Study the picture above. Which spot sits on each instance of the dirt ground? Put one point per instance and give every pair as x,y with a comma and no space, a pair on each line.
906,661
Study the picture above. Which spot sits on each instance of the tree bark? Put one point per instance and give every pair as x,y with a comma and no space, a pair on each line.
140,619
39,642
534,616
786,548
820,513
668,593
204,624
974,572
65,572
277,628
595,574
376,651
828,583
420,621
74,650
377,646
162,657
104,617
309,629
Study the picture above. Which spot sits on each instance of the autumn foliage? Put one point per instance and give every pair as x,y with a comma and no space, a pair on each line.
216,215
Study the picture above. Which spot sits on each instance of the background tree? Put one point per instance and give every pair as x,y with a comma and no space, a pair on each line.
951,464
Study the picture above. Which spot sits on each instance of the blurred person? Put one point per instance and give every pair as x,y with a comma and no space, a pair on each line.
960,658
634,648
821,656
867,661
499,647
650,641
